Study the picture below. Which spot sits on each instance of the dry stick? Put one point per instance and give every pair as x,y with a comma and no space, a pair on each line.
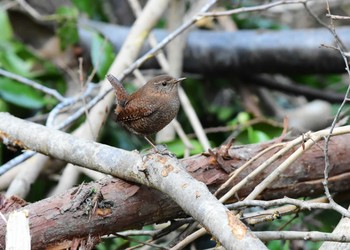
35,14
288,209
296,235
253,218
8,5
141,243
254,8
187,105
50,122
154,170
338,17
83,85
304,205
18,231
21,184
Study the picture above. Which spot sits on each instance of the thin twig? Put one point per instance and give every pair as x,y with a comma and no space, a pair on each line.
296,235
251,9
69,102
304,205
35,14
140,242
264,215
15,161
31,83
338,17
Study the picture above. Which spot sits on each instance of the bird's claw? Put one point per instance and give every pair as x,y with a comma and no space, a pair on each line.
163,150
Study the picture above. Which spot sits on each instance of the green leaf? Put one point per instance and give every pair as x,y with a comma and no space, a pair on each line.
177,147
102,55
256,136
67,29
3,106
93,8
65,12
12,62
21,95
5,26
243,117
278,245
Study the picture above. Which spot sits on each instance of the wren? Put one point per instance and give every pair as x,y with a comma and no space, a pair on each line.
150,108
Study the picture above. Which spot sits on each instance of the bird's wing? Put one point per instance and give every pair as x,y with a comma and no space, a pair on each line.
132,112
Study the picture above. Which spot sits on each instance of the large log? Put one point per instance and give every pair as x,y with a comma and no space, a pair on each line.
243,51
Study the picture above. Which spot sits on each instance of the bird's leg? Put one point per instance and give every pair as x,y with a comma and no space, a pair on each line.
149,140
163,150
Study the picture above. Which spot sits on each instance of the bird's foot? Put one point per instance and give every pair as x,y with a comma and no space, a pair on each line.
163,150
159,149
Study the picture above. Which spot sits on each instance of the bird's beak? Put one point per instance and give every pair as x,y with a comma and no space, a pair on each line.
180,79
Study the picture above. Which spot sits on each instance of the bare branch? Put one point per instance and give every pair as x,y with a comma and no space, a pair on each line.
251,9
307,205
338,17
296,235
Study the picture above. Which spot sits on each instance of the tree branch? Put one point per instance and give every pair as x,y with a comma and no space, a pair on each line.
153,170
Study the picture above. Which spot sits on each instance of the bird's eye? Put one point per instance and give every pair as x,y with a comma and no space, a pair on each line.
164,83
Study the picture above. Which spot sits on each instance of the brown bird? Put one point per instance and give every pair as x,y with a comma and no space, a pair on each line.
150,108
